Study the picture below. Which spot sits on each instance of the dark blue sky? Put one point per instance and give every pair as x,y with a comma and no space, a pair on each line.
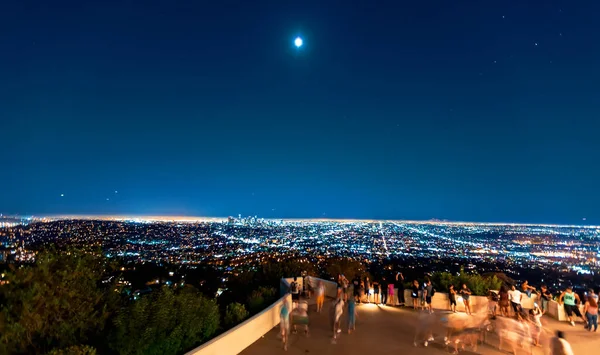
464,110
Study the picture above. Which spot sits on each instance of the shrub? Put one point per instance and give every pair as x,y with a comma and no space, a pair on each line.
165,322
478,284
260,298
348,267
234,314
56,302
74,350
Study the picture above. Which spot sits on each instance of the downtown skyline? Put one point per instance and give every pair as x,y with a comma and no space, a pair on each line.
221,219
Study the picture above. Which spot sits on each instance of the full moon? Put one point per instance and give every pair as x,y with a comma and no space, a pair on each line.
298,42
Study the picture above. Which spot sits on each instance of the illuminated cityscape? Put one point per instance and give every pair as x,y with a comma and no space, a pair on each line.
557,253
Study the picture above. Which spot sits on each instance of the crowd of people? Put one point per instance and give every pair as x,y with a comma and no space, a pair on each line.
515,324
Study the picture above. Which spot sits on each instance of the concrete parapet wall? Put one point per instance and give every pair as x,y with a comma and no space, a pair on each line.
243,335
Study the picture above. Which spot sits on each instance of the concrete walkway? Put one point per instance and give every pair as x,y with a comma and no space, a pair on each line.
390,330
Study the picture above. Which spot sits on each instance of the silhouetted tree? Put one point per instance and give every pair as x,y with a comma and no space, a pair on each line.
348,267
165,322
58,302
234,314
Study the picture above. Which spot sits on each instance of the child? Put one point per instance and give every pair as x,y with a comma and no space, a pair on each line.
352,314
284,324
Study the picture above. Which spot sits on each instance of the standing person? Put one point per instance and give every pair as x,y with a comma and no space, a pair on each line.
339,310
452,297
535,315
559,345
466,295
429,291
591,313
515,297
400,287
284,324
422,288
384,291
392,293
545,296
320,296
345,284
592,294
295,291
493,299
352,314
361,291
356,288
368,289
375,286
414,293
504,301
570,300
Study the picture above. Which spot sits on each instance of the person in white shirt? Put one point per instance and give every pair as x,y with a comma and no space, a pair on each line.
336,313
515,297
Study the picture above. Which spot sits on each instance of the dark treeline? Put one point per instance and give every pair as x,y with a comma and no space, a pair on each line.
75,302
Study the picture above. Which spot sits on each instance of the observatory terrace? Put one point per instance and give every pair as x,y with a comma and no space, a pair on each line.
379,330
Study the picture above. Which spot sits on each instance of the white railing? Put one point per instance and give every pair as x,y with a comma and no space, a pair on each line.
245,334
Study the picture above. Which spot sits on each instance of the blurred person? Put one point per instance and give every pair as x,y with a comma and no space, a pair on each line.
452,297
345,284
535,316
300,316
361,292
352,315
545,297
591,313
284,324
493,299
422,298
320,296
368,289
465,293
559,345
570,301
504,301
525,288
356,288
338,312
424,327
592,294
295,291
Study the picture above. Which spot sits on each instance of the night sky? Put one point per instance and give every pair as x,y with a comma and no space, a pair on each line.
459,110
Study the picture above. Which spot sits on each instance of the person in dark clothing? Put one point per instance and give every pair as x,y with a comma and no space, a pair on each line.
452,297
400,287
384,290
356,289
414,294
